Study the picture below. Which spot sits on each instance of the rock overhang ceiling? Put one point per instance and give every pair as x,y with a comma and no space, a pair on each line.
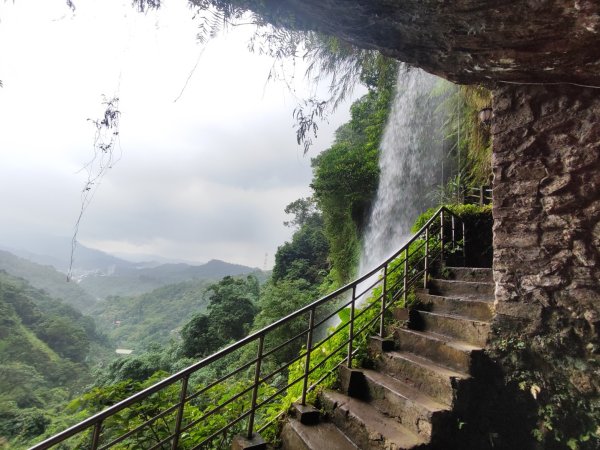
466,41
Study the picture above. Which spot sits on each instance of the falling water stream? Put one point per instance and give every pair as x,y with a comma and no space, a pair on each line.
411,163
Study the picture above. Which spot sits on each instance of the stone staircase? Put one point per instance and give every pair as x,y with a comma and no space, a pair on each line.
420,375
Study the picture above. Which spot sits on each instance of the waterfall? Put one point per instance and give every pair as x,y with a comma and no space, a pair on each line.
411,163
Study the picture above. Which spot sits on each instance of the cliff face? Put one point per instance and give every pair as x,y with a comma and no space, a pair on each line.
465,41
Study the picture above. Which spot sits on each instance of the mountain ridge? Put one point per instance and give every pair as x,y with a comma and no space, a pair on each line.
97,275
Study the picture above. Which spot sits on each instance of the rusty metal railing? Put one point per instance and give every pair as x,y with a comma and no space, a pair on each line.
481,195
185,412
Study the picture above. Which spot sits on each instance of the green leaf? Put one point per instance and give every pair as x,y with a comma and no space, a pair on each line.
344,315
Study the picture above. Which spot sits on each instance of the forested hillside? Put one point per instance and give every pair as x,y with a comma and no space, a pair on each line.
154,317
50,351
46,350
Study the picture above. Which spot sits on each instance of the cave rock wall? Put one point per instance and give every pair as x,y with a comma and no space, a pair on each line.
546,165
547,202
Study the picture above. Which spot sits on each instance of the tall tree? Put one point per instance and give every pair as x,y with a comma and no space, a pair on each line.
230,315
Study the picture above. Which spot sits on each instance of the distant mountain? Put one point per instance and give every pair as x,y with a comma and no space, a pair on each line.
47,278
100,274
174,273
56,251
127,281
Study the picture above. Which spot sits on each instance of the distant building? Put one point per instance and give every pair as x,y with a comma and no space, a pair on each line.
123,351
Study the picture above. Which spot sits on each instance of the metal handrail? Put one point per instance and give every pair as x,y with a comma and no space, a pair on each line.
481,195
432,233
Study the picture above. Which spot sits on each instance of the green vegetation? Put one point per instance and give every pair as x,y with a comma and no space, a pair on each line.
305,257
48,348
64,329
346,175
230,314
154,317
568,414
470,153
44,348
474,139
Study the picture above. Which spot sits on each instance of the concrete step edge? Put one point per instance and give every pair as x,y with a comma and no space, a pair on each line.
450,341
429,365
442,349
432,379
296,436
414,409
368,427
424,402
466,273
469,329
455,317
463,282
456,298
472,308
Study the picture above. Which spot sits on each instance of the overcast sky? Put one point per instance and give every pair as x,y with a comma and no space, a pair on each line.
207,176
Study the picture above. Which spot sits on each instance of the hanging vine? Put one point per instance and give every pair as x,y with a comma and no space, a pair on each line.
106,140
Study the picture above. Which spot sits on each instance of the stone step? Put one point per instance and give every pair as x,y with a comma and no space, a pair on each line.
473,331
366,426
413,409
296,436
454,288
483,275
442,349
467,307
434,380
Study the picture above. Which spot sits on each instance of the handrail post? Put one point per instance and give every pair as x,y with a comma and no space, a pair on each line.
453,238
481,195
442,236
311,324
405,289
180,410
351,327
383,300
96,435
261,341
464,243
426,258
